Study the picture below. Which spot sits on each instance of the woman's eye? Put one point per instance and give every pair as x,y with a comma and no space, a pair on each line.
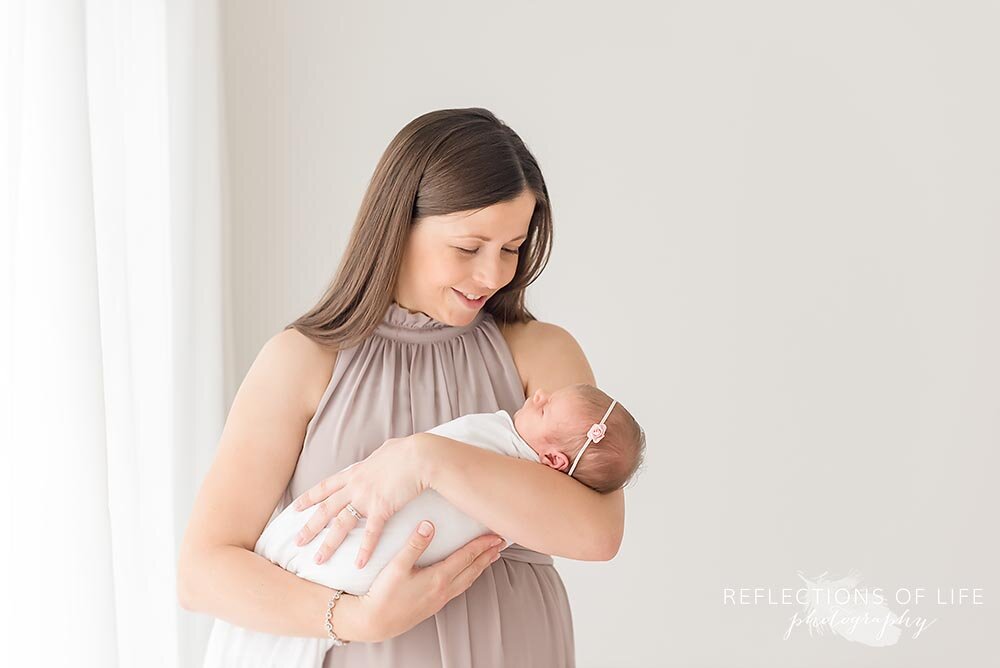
473,251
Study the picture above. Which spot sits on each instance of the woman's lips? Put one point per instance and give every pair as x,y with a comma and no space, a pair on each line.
473,304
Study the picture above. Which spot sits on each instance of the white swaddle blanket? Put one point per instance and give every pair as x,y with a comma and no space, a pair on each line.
232,646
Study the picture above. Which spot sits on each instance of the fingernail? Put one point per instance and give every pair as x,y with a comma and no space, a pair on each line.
424,529
360,563
318,558
495,557
496,542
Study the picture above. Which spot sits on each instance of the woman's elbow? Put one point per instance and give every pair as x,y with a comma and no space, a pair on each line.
611,529
600,544
184,598
597,549
185,595
187,579
608,546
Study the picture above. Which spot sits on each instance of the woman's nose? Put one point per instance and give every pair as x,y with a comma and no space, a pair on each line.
489,273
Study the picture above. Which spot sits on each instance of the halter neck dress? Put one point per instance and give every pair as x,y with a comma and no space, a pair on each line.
410,375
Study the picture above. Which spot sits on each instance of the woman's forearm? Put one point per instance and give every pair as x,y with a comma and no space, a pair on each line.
523,501
247,590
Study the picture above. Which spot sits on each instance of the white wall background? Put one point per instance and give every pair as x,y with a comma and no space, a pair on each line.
777,228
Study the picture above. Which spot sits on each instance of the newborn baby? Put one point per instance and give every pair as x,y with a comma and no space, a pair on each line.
564,430
556,428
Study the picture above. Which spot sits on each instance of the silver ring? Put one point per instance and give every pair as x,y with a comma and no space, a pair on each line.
354,511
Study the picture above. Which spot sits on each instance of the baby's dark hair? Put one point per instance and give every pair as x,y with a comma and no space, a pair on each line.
611,463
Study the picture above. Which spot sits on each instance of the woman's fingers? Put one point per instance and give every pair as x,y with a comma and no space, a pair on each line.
467,563
470,573
341,525
321,517
421,537
373,531
321,490
404,595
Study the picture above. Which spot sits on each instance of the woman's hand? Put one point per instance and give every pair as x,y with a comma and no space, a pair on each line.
403,594
376,487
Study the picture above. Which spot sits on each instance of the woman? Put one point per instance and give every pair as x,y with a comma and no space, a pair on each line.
423,322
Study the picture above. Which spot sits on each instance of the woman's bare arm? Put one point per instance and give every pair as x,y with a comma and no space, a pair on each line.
525,502
218,572
522,501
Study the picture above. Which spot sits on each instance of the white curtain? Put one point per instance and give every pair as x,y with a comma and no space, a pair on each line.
111,294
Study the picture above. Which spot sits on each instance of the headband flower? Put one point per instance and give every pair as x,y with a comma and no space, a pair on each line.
596,432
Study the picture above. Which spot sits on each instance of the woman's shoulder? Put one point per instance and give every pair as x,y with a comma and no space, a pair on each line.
524,336
546,355
312,361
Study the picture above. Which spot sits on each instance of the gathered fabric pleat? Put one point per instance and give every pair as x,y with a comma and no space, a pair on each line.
410,375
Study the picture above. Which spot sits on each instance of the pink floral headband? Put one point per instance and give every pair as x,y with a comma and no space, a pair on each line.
594,435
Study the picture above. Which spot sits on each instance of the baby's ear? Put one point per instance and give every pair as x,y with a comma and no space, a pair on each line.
556,460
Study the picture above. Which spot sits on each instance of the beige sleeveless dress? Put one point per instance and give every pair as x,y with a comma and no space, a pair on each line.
414,373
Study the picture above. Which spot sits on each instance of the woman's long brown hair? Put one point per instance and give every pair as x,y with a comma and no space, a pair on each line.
442,162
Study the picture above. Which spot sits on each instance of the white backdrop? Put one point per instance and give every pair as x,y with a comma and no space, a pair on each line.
776,238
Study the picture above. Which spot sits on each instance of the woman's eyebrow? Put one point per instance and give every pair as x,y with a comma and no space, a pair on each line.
482,238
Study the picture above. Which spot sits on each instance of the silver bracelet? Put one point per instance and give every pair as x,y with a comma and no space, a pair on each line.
329,616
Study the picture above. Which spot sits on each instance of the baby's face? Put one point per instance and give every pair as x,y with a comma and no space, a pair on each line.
543,416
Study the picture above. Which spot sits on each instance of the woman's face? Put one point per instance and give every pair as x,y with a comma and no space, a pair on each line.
465,253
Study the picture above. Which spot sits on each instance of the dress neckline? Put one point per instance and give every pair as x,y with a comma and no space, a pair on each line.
401,324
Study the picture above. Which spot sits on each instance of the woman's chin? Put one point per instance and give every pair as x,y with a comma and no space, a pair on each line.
458,317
